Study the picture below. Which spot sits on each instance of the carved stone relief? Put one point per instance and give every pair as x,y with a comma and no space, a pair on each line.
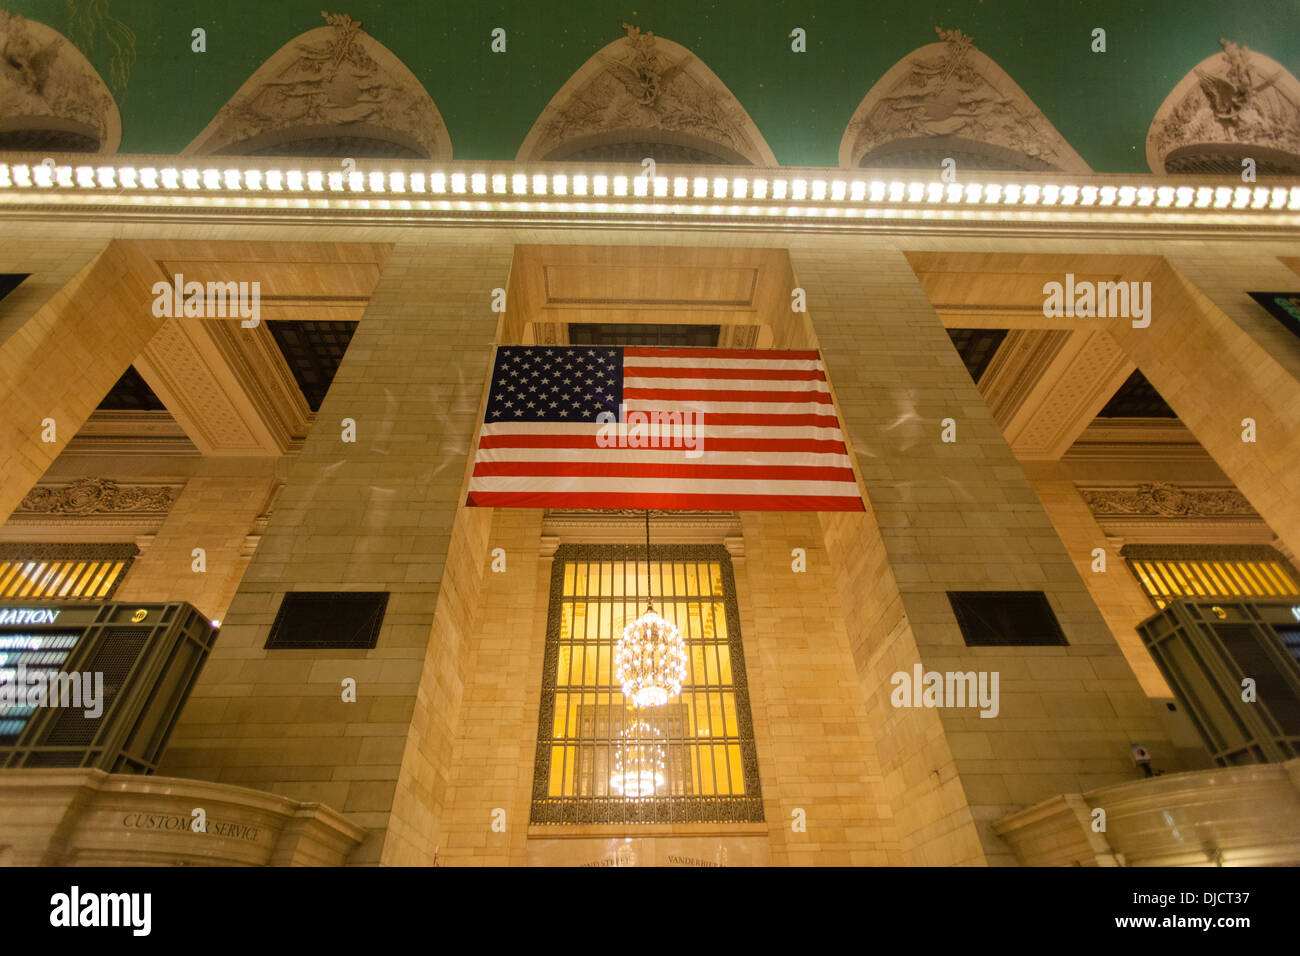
1164,500
645,89
335,87
92,496
51,98
950,97
1235,104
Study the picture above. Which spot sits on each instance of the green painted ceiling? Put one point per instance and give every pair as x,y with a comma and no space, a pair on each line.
1101,103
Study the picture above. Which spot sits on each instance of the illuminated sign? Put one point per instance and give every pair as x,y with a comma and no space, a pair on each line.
29,615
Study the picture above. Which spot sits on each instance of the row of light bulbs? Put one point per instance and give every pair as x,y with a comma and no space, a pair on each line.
777,189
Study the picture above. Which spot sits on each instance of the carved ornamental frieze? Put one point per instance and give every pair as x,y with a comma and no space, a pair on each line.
645,88
1238,100
98,496
333,79
1159,499
951,94
50,96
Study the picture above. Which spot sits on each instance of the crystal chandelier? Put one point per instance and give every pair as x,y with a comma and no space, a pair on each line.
638,762
650,658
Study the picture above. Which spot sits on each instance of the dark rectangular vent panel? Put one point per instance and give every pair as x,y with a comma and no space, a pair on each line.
328,619
1006,619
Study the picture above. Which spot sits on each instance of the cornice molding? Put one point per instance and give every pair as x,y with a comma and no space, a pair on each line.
99,496
1164,500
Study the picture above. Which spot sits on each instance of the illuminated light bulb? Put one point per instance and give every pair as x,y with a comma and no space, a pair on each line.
1011,193
519,184
876,191
539,184
1051,194
171,179
253,179
376,182
316,181
1069,195
839,189
600,185
640,186
760,188
1088,195
335,181
1279,198
190,178
1261,198
438,183
620,185
126,176
1031,195
579,184
211,179
1185,196
798,189
478,183
1294,202
274,179
779,188
700,187
63,176
458,182
973,192
1126,195
417,182
1165,196
661,185
934,192
954,193
1146,196
86,177
499,182
1222,196
1240,197
650,660
5,181
993,193
1107,197
1204,196
915,192
896,191
397,182
293,179
22,175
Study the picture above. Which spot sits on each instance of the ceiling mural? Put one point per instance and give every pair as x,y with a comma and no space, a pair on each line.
763,81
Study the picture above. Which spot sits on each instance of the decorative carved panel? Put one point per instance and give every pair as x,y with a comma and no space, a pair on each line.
1165,500
51,98
646,90
949,99
334,90
1233,105
91,496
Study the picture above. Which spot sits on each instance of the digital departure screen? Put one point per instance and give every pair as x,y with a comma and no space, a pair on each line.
24,660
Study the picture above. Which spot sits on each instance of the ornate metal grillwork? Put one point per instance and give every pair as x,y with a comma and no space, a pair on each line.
707,735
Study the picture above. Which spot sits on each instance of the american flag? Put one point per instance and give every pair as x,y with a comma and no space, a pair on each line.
728,429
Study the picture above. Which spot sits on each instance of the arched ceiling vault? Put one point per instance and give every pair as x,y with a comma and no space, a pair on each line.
947,99
644,95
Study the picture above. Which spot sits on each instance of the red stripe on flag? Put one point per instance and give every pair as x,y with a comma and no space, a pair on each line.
769,374
643,351
632,469
725,395
827,446
666,502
